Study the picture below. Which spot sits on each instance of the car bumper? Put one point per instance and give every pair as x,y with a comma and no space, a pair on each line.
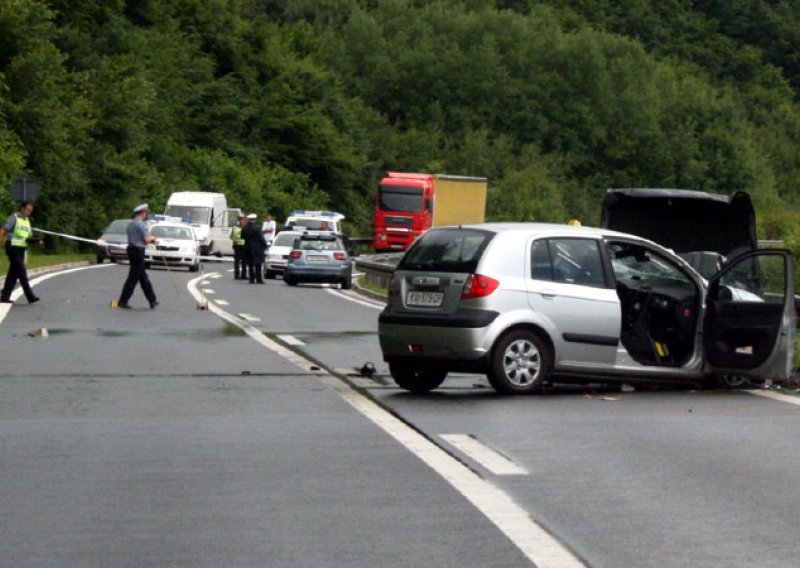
171,258
276,265
459,338
317,273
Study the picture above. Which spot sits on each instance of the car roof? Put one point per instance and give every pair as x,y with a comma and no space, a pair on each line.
544,229
177,225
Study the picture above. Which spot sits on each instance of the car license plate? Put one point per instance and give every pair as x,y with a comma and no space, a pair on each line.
316,258
425,299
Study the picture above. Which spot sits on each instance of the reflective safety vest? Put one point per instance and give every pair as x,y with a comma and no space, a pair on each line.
22,230
236,234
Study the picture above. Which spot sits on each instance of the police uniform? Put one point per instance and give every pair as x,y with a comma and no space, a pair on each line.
239,256
137,231
18,233
255,247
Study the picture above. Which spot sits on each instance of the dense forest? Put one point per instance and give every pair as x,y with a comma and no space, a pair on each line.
305,103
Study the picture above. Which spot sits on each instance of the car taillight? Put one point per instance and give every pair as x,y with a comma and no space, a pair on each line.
339,256
295,254
478,286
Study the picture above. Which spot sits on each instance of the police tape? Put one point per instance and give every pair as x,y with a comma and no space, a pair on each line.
102,243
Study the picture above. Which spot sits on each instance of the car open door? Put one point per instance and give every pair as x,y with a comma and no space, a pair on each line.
749,323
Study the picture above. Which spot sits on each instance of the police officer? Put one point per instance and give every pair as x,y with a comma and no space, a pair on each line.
138,238
18,229
255,247
239,256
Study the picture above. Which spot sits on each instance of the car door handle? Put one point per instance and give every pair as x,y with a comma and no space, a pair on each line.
548,293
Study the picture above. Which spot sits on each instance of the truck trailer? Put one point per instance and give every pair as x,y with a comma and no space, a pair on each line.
408,204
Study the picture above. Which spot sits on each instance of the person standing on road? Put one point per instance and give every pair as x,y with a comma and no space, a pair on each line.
268,228
18,229
239,255
138,238
255,247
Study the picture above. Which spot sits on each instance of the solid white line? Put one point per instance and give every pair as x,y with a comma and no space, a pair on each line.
17,294
249,317
777,396
483,454
533,541
222,302
290,339
364,302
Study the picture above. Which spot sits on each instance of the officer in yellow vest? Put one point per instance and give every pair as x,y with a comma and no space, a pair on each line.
239,259
18,230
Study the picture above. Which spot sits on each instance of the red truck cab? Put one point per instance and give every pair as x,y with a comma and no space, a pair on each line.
404,210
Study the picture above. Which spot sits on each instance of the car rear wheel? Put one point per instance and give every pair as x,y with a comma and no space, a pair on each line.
290,280
520,363
269,275
416,379
347,282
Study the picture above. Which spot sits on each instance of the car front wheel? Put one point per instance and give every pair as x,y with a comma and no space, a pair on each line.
416,379
520,363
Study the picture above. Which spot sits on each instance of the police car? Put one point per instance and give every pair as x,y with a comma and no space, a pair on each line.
303,219
176,245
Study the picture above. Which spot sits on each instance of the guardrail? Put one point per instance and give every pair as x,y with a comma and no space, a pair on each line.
378,268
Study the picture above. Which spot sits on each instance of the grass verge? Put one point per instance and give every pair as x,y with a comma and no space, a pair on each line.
38,259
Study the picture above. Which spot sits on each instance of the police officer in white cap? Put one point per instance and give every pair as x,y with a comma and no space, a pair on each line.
138,238
255,247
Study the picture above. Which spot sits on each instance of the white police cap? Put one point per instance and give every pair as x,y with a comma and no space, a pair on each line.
252,216
140,208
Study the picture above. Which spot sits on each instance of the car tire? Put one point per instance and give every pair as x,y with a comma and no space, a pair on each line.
194,267
147,265
520,363
290,280
100,259
417,379
347,282
732,382
269,275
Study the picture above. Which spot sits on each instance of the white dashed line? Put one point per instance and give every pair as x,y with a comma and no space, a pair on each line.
208,291
539,547
249,317
777,396
222,302
290,340
483,454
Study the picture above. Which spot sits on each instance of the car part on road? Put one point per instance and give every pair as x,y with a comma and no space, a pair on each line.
417,379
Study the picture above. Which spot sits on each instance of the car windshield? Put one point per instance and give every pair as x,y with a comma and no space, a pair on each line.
447,250
118,227
178,233
189,214
319,244
406,200
284,240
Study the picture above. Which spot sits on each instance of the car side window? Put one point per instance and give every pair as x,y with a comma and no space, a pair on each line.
572,261
635,262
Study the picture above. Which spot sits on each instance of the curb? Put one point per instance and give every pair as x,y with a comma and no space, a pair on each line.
371,294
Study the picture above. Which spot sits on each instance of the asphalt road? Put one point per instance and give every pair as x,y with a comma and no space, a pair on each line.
170,437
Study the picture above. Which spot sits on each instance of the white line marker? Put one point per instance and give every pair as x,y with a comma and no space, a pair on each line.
777,396
208,291
362,301
483,454
534,542
16,294
215,275
249,317
222,302
230,270
290,339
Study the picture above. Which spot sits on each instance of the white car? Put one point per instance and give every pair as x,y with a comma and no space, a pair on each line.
278,253
176,245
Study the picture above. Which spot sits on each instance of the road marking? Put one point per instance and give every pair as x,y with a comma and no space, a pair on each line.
215,275
777,396
230,270
290,339
362,301
539,547
208,291
483,454
249,317
17,294
222,302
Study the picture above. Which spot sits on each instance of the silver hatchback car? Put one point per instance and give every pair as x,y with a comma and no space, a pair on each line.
526,303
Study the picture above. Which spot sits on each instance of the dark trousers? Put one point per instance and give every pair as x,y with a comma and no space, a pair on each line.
239,262
16,271
255,260
137,275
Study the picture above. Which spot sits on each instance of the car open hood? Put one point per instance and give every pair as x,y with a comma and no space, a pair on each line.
684,220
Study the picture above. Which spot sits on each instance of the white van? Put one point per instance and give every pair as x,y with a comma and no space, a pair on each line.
210,216
316,220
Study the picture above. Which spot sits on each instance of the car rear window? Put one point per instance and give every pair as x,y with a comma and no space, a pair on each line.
319,244
118,227
284,240
447,250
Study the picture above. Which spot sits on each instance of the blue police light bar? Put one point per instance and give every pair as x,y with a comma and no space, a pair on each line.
314,213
